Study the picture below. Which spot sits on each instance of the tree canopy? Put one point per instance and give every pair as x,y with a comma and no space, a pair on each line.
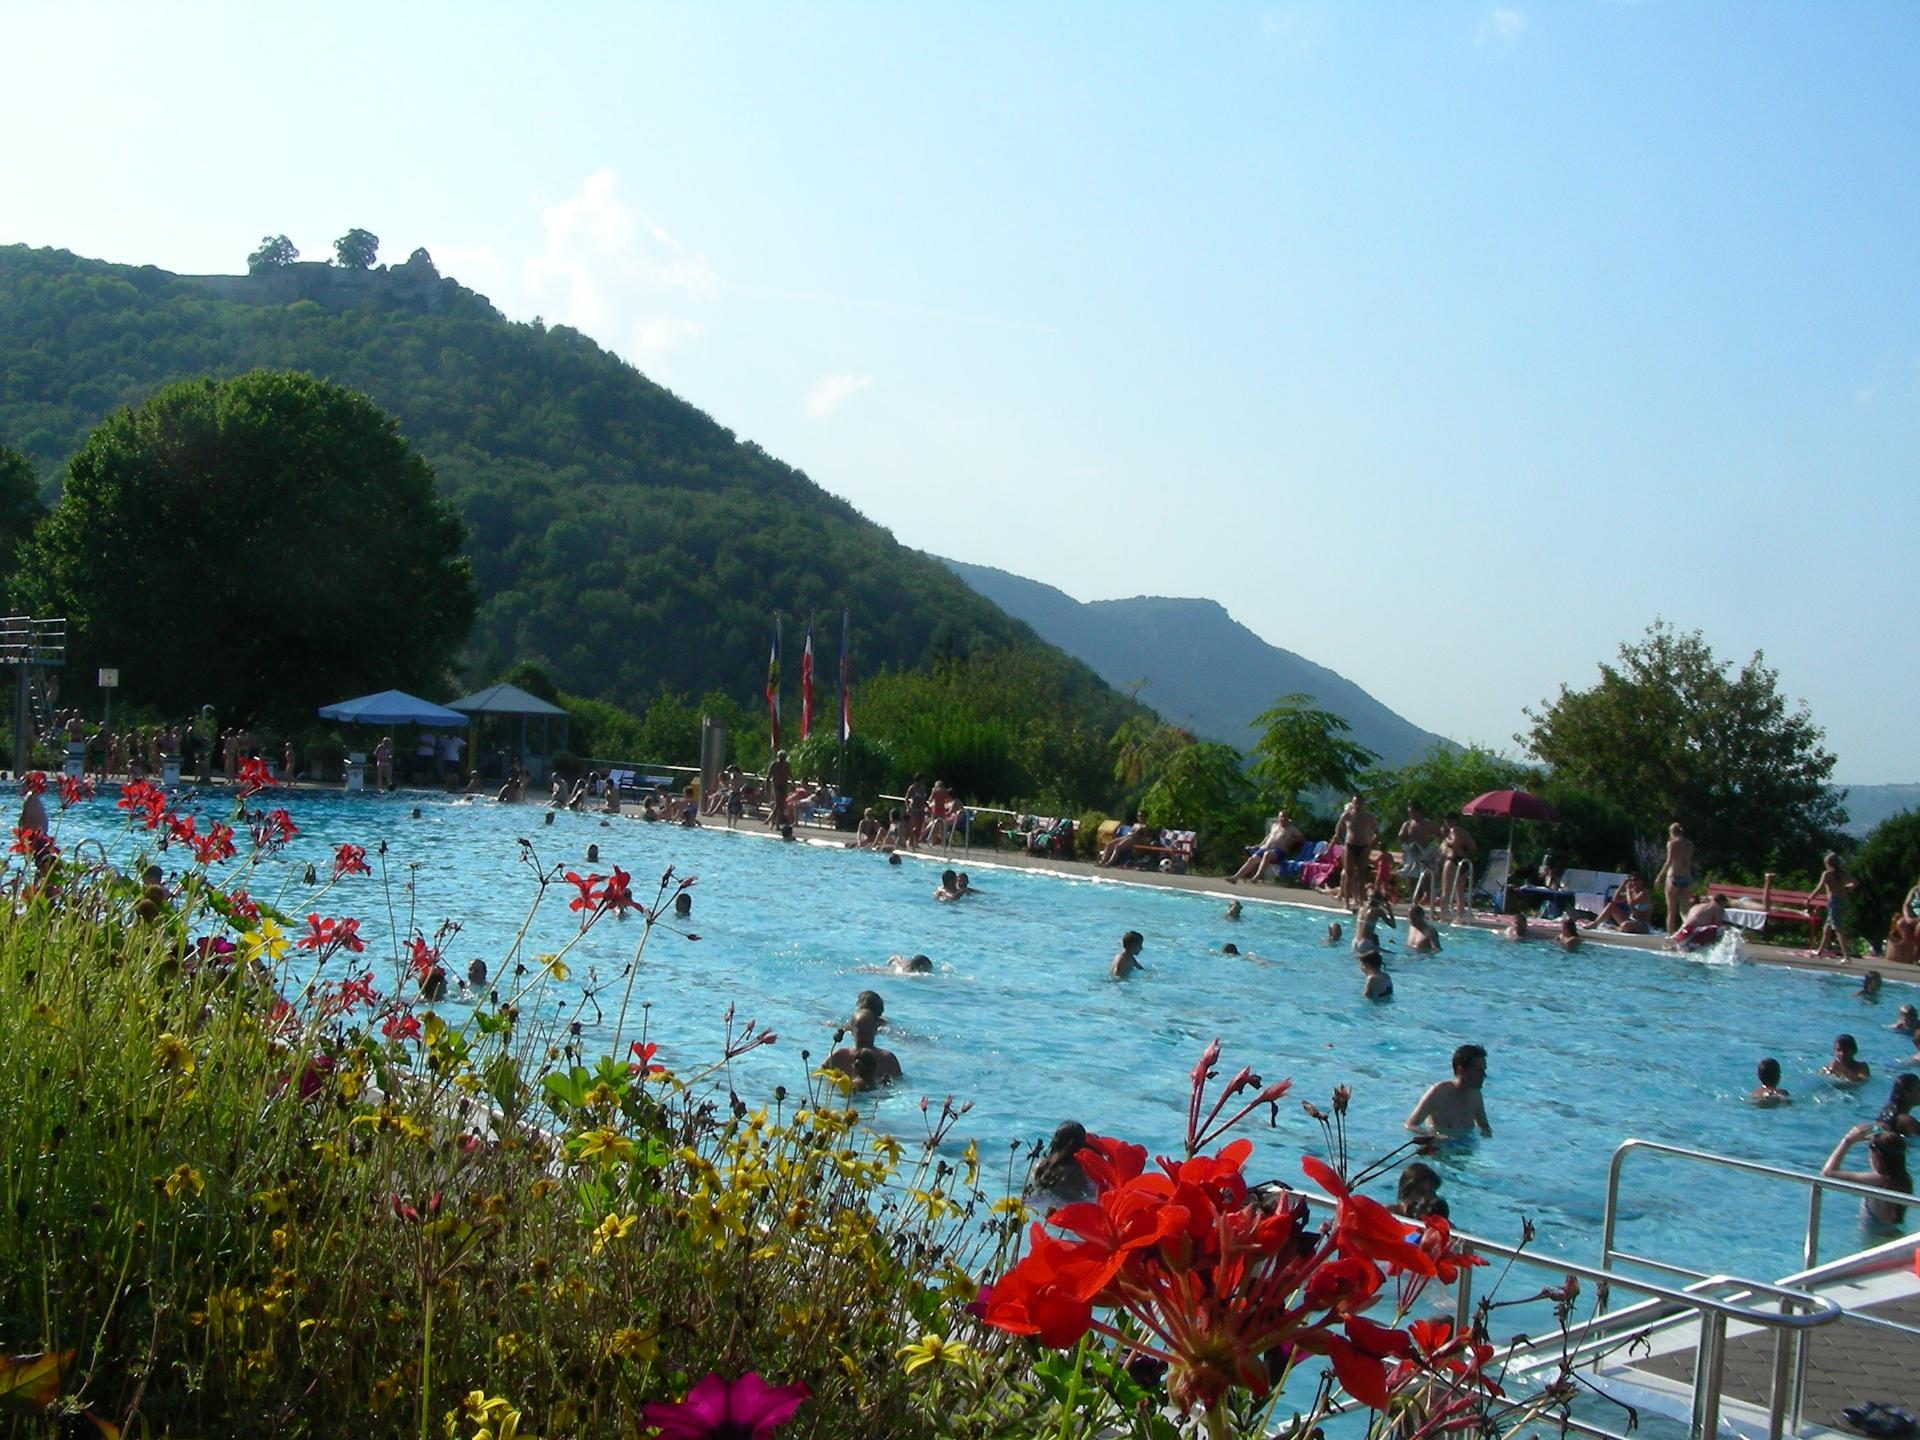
618,536
20,511
1301,748
1670,733
266,544
357,250
275,252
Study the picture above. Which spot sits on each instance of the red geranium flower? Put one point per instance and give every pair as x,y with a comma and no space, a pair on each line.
617,897
319,934
400,1026
642,1062
346,934
423,958
715,1409
254,777
33,782
216,844
243,905
150,801
73,790
350,860
588,888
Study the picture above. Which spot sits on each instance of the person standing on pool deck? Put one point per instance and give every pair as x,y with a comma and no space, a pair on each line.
1456,854
1355,830
1420,852
1128,960
1834,885
1456,1106
780,782
1677,872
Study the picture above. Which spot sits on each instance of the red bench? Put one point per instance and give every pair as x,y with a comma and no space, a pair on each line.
1798,906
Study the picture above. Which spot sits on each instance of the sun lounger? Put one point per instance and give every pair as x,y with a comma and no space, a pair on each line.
1492,885
1768,903
1291,869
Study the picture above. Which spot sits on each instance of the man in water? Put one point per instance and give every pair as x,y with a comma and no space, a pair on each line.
1128,960
949,886
1768,1093
1456,1106
1355,830
1678,874
866,1027
1375,983
910,964
1421,936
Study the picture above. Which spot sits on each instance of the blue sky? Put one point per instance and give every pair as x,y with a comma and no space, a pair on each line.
1447,344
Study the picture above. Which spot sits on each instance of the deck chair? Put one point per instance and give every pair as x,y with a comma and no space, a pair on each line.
1290,869
1492,884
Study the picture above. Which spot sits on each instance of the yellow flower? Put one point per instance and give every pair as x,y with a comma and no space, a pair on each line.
480,1409
932,1349
178,1181
555,966
604,1144
633,1344
265,941
601,1095
614,1227
170,1052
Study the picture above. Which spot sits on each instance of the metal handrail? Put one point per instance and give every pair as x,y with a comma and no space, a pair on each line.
1715,1314
1818,1186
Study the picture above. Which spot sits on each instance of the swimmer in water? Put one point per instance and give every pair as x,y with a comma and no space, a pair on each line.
1229,948
1568,939
1422,938
1768,1093
966,886
949,886
1456,1106
866,1026
682,905
1846,1066
1233,910
1128,960
910,965
593,854
1333,934
1516,928
1375,983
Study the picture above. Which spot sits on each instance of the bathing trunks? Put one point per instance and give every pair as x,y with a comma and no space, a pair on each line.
1680,882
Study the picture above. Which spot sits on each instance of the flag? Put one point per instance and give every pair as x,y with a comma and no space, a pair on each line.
773,685
806,684
846,685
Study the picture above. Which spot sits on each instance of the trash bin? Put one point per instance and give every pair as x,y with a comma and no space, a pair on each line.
169,771
356,771
76,761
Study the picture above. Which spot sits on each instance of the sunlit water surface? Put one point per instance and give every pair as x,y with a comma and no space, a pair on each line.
1021,1018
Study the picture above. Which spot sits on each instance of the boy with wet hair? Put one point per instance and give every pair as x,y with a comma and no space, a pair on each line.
1768,1093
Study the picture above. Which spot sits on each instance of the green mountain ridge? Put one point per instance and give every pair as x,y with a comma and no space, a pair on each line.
619,536
1194,663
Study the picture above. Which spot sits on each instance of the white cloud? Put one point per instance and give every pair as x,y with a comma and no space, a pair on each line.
611,271
830,392
1502,28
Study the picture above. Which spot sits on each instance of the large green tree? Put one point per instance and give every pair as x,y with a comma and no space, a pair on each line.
357,250
1672,733
1301,748
20,511
266,544
276,252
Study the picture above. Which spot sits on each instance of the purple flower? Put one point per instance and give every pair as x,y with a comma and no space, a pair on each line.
716,1409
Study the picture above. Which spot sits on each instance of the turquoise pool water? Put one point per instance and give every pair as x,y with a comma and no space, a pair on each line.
1021,1019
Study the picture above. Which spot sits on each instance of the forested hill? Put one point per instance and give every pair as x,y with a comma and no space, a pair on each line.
619,536
1201,668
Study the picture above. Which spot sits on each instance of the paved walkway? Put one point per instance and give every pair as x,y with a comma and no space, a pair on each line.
1848,1363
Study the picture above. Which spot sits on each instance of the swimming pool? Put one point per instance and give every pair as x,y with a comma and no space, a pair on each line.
1021,1019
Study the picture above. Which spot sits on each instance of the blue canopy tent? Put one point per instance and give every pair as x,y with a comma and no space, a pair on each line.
393,707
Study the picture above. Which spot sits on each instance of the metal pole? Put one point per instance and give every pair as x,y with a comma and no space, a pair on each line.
1707,1368
1780,1383
1810,1251
20,747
